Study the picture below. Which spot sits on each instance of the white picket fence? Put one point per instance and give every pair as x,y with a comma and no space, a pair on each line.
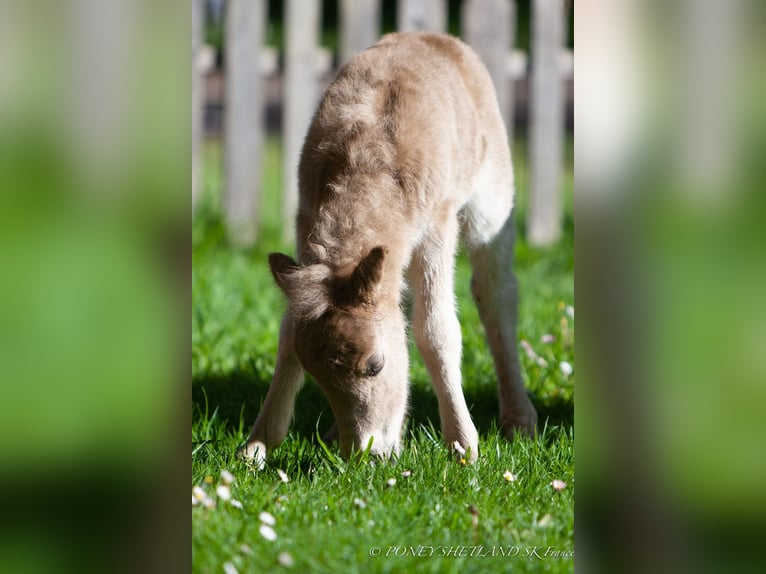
487,25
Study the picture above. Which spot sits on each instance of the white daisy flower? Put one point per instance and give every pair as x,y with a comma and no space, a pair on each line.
566,368
283,475
524,344
391,482
360,503
558,484
267,532
507,475
229,568
406,474
545,521
200,496
285,559
227,477
223,492
267,518
235,503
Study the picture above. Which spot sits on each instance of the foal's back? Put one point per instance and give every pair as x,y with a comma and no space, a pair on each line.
398,138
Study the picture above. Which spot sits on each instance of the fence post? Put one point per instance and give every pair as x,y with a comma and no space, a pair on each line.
302,32
360,26
546,124
197,99
413,15
487,26
244,118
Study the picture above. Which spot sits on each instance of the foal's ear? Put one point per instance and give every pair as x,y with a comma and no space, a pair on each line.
282,266
366,277
304,287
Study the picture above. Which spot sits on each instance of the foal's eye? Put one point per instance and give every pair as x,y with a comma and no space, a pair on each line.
374,365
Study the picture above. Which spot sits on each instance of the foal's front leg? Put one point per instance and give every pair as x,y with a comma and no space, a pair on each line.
437,332
271,426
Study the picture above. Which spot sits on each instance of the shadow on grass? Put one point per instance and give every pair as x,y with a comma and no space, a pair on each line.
238,397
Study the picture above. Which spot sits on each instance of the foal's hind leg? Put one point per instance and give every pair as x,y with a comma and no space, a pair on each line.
495,292
271,426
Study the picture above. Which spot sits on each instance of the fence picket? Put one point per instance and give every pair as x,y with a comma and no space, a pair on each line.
244,118
488,27
546,123
303,23
413,15
360,26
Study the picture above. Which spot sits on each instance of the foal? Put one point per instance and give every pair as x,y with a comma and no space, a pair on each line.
406,152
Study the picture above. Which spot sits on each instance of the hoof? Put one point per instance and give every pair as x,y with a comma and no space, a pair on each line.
464,451
255,452
519,421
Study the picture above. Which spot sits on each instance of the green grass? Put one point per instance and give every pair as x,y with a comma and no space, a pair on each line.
443,507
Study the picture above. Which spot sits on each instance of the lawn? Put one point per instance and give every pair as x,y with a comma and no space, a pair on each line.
424,513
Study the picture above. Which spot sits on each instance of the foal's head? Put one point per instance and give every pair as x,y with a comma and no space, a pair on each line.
350,336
